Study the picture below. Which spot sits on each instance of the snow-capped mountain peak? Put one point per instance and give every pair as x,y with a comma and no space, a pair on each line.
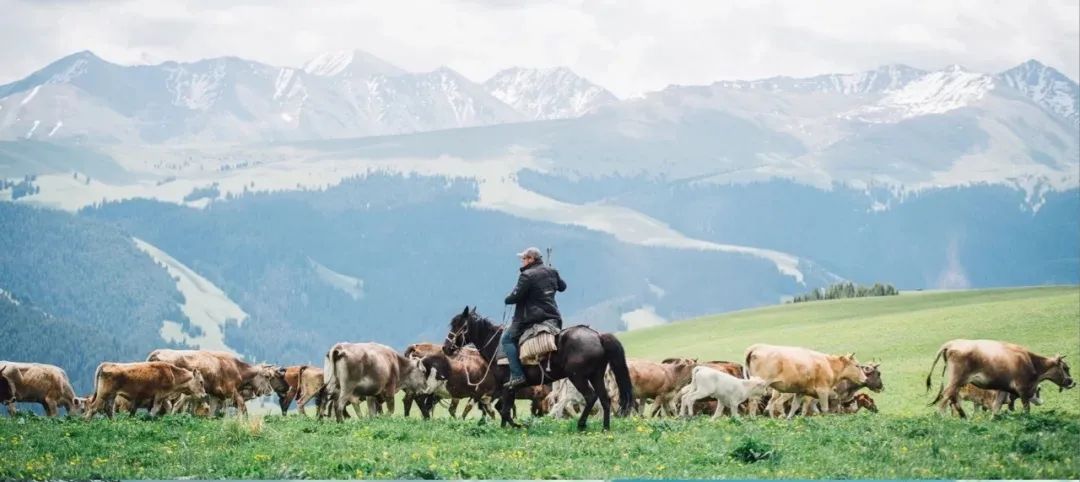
551,93
354,63
1047,87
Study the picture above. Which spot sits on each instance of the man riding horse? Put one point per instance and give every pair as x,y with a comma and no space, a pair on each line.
581,354
534,300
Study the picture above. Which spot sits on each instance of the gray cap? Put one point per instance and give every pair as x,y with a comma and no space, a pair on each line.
533,253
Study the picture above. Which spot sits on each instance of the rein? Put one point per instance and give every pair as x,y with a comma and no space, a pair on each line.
493,356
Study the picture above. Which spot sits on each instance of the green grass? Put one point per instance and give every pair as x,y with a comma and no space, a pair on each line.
906,440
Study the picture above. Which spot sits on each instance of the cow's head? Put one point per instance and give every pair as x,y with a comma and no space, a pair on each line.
436,367
426,375
850,370
863,400
1057,371
873,377
196,386
260,383
278,383
80,403
758,387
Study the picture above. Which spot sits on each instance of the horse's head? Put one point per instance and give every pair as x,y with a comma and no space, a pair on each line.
458,336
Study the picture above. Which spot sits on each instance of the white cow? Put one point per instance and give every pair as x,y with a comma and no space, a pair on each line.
728,391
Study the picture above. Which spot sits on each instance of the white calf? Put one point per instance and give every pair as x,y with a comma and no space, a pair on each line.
728,391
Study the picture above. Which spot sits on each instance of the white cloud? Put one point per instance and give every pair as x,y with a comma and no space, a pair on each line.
629,47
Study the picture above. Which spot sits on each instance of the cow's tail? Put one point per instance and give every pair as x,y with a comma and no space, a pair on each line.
300,382
616,358
746,367
943,355
97,379
330,375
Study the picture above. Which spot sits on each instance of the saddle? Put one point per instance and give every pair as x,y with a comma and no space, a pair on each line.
535,343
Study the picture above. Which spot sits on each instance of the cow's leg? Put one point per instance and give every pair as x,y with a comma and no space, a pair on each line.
999,399
407,402
285,401
795,402
339,407
303,400
241,406
718,411
11,408
50,406
823,400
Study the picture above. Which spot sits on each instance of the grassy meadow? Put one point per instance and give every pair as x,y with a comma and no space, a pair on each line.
905,440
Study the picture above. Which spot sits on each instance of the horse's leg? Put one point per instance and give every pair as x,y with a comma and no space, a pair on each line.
597,381
582,384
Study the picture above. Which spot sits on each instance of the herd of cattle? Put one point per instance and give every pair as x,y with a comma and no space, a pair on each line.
776,380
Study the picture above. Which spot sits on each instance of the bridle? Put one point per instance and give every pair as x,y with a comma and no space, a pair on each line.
454,335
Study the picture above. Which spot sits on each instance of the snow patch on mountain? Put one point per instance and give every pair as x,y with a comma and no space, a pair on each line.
352,286
55,128
205,305
933,93
196,90
29,97
8,296
33,128
556,93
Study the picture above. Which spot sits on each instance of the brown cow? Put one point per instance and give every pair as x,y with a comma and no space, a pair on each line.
310,387
466,376
227,379
371,371
841,399
860,401
141,383
659,382
983,400
995,365
801,371
423,349
47,385
286,383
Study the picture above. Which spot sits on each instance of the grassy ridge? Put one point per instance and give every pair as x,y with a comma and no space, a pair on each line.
904,441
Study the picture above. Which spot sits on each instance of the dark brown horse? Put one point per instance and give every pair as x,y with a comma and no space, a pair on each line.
583,356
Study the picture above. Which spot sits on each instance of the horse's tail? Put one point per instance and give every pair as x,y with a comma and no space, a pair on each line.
942,354
616,358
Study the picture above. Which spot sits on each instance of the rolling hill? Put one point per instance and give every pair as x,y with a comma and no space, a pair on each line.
902,332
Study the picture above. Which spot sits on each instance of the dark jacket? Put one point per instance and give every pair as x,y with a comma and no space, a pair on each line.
534,295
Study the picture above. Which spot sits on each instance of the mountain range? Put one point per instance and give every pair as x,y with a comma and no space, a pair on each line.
334,95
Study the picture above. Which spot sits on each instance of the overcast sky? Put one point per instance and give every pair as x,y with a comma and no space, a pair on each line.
629,47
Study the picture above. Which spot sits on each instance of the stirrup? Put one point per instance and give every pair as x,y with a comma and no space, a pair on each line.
515,383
